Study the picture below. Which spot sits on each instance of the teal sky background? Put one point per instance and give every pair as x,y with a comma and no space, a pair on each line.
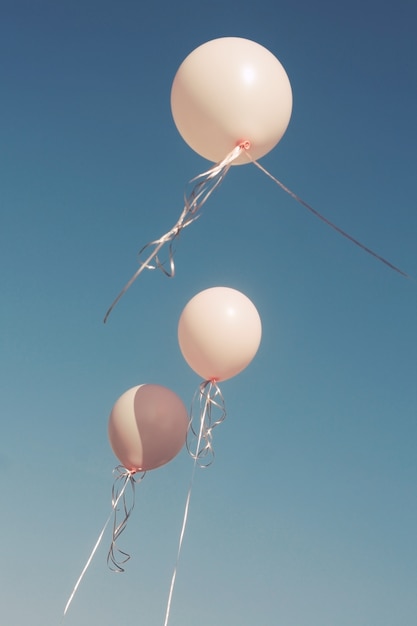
308,515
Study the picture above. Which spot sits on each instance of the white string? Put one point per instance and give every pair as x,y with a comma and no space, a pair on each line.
184,521
94,550
324,219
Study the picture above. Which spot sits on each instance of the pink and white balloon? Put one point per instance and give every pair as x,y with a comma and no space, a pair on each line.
228,91
147,427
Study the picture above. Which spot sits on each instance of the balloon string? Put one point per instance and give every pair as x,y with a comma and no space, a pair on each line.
209,400
324,219
115,562
127,477
201,433
207,182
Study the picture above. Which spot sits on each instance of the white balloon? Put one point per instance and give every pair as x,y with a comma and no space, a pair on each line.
228,91
219,333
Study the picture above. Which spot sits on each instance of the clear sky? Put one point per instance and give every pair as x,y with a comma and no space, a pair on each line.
308,516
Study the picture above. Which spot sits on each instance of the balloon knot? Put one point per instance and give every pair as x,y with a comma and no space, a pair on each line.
245,145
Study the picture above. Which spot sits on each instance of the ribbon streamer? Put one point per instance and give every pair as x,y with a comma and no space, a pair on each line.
193,202
208,404
208,398
324,219
123,478
210,180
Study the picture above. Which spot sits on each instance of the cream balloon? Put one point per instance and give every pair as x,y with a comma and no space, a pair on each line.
228,91
219,333
147,427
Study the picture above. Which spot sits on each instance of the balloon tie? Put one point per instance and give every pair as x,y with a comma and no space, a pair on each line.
123,479
207,182
206,395
208,403
324,219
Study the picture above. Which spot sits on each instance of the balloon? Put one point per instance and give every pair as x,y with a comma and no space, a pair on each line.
219,333
228,91
147,427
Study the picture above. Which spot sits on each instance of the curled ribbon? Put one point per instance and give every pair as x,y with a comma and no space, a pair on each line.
209,410
123,478
193,202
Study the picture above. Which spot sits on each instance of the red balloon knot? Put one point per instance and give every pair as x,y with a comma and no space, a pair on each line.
245,145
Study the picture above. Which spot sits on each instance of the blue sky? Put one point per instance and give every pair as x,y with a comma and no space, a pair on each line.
308,515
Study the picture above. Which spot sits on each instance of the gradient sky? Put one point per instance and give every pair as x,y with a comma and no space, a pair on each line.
308,516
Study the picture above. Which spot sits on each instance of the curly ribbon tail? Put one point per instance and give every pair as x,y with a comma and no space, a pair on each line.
207,182
324,219
208,403
209,397
123,479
